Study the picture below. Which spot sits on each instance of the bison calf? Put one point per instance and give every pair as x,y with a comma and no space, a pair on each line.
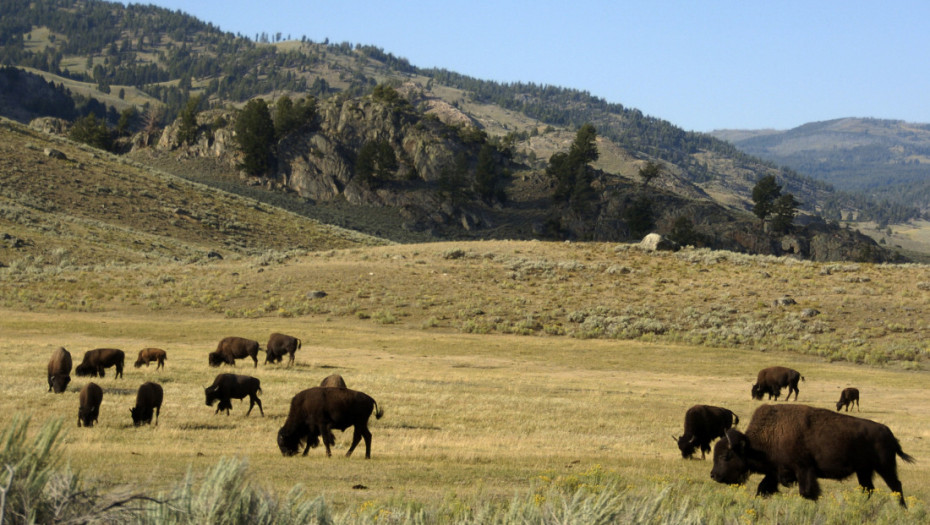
790,444
847,397
89,409
95,361
231,348
231,386
703,424
771,380
315,412
59,370
148,399
147,355
279,345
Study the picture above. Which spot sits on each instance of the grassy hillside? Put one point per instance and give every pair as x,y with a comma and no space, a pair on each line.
620,343
90,208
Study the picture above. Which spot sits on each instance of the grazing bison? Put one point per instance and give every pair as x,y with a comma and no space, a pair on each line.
91,396
147,355
278,345
798,443
59,370
317,411
95,361
333,381
771,380
148,399
703,424
231,386
232,348
847,397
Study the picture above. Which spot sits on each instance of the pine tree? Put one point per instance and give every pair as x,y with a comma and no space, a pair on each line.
255,135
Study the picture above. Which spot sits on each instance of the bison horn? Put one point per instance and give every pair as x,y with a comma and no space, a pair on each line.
675,439
729,443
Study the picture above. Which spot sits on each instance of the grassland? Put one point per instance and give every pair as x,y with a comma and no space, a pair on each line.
504,367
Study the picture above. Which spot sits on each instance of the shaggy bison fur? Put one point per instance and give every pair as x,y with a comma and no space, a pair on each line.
771,380
59,370
231,348
790,444
703,424
95,361
231,386
89,409
333,381
280,345
148,400
147,355
315,412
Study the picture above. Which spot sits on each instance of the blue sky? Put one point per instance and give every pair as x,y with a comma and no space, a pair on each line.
700,65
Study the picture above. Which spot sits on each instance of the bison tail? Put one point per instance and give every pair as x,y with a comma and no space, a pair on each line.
906,457
379,412
299,344
735,419
802,378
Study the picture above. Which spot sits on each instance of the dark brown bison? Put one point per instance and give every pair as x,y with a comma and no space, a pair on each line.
847,397
59,370
771,380
89,409
790,444
148,399
95,361
317,411
231,386
232,348
147,355
703,424
278,346
333,381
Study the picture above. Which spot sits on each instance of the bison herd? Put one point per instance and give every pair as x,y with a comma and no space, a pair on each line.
314,412
787,443
791,444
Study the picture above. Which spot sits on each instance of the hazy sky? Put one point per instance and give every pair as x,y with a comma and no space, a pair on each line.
700,65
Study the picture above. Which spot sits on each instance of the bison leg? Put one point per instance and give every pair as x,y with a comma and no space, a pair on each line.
808,485
891,479
254,400
768,486
290,360
359,433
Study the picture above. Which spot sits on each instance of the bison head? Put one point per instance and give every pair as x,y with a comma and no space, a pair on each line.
85,369
730,464
139,363
210,393
136,416
686,446
757,392
288,442
59,383
215,359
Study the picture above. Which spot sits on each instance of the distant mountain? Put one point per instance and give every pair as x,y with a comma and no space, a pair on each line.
886,159
155,61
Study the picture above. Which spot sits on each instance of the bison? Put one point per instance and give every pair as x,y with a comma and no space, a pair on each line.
333,381
703,424
771,380
95,361
280,344
148,399
231,348
89,409
847,397
59,370
231,386
790,444
317,411
147,355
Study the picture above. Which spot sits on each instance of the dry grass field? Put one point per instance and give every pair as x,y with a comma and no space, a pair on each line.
503,367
